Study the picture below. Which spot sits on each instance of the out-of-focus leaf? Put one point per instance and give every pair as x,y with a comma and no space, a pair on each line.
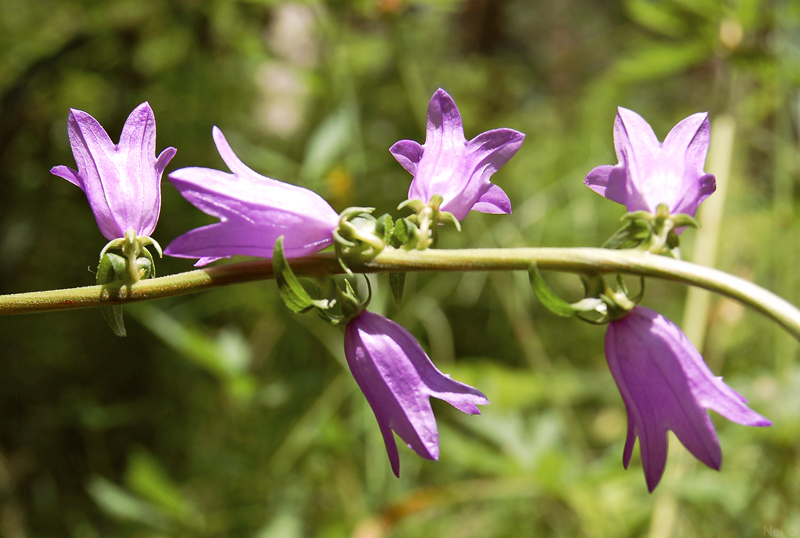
121,504
327,144
146,476
656,16
658,60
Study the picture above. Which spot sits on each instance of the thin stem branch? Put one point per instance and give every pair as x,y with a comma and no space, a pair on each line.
573,260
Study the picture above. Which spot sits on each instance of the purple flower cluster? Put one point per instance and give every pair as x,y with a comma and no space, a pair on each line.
664,383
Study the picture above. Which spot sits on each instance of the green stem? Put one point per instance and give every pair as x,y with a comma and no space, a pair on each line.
573,260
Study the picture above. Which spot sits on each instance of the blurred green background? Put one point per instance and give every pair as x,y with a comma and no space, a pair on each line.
221,414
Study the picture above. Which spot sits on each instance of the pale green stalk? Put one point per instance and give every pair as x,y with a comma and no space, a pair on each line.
573,260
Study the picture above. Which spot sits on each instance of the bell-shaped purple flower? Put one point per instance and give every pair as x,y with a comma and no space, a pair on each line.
122,181
398,379
253,210
650,173
666,385
454,168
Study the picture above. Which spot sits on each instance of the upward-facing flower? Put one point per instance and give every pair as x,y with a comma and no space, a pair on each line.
253,210
398,379
650,173
454,168
122,181
666,386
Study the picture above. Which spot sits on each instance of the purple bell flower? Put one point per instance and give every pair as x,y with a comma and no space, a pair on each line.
253,210
398,379
454,168
122,181
666,386
650,173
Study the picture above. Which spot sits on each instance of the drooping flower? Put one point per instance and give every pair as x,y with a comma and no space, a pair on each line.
253,210
122,181
666,385
650,173
454,168
398,379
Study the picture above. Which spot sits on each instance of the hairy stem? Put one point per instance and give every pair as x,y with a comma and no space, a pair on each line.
573,260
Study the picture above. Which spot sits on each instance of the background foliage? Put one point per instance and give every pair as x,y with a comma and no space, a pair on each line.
222,414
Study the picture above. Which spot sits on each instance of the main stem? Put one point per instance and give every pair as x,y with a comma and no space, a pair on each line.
573,260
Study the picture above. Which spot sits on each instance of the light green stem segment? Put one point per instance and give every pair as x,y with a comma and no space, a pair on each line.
573,260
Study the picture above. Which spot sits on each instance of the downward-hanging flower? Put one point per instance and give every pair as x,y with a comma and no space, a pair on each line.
398,379
122,181
454,168
253,210
666,386
650,173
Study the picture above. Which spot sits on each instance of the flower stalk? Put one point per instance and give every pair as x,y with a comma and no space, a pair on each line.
573,260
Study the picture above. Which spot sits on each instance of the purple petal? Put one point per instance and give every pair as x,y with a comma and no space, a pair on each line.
94,154
67,173
494,201
608,181
398,379
408,153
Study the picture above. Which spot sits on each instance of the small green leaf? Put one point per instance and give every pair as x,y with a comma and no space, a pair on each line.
294,296
113,316
397,281
547,297
384,227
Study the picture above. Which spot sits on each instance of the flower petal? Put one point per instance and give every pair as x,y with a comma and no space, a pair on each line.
408,153
494,201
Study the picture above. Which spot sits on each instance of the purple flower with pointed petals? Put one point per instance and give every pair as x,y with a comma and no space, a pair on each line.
454,168
398,379
122,181
666,386
253,210
650,173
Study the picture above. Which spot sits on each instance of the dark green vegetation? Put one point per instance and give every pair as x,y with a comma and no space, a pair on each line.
223,414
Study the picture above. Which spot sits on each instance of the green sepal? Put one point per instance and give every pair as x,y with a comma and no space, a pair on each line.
632,234
559,306
113,268
414,205
445,217
146,265
397,282
384,225
294,295
113,316
404,234
547,297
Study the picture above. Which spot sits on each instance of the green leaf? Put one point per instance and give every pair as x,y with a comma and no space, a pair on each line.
653,61
294,295
113,316
384,227
659,17
547,297
397,281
